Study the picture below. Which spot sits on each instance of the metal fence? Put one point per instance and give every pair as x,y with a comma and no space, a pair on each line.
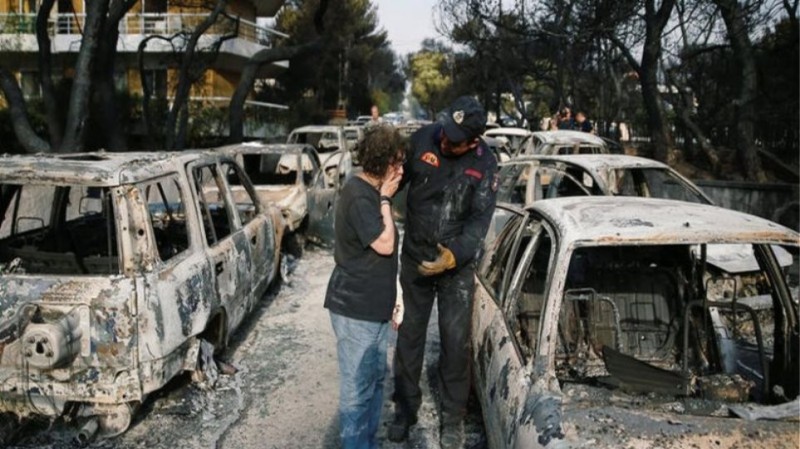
145,24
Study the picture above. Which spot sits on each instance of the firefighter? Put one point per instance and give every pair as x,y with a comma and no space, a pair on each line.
452,182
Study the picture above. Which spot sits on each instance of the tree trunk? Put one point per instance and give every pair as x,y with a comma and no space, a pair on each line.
655,21
105,111
54,120
248,78
78,109
744,105
19,115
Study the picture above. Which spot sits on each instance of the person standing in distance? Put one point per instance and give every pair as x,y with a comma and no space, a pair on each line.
375,116
452,184
363,286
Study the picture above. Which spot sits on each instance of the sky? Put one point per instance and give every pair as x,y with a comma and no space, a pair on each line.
408,22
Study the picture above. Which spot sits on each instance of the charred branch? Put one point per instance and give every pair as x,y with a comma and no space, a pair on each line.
250,71
78,109
19,115
54,120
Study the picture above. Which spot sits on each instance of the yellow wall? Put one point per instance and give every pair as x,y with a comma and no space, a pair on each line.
13,6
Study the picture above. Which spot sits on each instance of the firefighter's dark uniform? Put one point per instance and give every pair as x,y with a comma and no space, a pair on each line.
450,201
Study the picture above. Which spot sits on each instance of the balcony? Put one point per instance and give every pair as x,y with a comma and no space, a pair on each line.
17,35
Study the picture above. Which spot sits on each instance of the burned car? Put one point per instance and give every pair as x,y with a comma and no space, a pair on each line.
116,269
527,179
561,142
331,143
524,180
513,137
596,323
290,177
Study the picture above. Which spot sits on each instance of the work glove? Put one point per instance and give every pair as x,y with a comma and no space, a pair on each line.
445,261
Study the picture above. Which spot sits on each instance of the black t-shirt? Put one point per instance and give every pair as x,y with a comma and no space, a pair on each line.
363,284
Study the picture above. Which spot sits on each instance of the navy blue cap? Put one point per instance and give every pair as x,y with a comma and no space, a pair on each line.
465,120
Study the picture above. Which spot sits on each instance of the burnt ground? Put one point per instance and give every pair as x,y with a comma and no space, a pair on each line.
284,394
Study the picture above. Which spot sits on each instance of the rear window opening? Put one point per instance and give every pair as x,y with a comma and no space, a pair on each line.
66,229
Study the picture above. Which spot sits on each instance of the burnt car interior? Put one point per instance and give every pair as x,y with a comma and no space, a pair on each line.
273,169
217,222
65,229
650,182
167,214
659,320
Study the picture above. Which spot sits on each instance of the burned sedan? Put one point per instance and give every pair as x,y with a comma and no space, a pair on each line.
116,270
525,180
597,323
561,142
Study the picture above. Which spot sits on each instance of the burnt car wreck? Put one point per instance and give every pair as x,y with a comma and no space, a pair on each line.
599,322
114,270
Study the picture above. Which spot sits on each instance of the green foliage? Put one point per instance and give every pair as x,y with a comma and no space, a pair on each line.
430,79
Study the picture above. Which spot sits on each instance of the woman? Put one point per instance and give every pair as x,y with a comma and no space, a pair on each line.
363,286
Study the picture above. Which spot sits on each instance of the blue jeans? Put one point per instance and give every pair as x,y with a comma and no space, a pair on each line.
361,350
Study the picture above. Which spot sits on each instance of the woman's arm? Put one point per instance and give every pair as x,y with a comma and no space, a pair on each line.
384,244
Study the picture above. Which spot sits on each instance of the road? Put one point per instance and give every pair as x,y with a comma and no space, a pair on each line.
284,394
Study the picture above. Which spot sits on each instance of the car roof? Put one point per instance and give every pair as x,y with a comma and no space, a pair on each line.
594,162
96,168
508,131
568,137
260,147
316,129
609,220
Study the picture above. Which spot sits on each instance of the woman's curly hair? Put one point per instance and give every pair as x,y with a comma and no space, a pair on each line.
382,146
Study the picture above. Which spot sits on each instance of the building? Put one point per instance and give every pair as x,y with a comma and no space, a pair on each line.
244,21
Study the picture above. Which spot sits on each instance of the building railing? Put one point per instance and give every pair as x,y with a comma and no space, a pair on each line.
145,24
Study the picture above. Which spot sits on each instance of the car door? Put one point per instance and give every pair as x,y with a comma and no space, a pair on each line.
226,247
258,227
322,203
492,343
511,333
533,409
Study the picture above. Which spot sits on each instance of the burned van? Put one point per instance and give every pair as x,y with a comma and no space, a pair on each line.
113,268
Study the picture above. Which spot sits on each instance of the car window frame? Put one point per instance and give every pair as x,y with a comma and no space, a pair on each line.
233,215
519,273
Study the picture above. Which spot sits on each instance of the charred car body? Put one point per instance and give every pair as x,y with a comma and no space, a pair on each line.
561,142
597,323
331,144
527,179
290,176
114,267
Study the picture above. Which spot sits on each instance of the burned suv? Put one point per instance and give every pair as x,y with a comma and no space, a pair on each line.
598,322
113,269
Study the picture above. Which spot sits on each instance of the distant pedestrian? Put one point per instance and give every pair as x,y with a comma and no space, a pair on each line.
583,124
375,116
363,286
565,119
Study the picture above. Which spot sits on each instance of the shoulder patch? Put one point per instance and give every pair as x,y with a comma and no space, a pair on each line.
430,159
474,173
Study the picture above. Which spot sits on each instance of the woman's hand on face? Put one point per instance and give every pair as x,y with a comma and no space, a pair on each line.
391,181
